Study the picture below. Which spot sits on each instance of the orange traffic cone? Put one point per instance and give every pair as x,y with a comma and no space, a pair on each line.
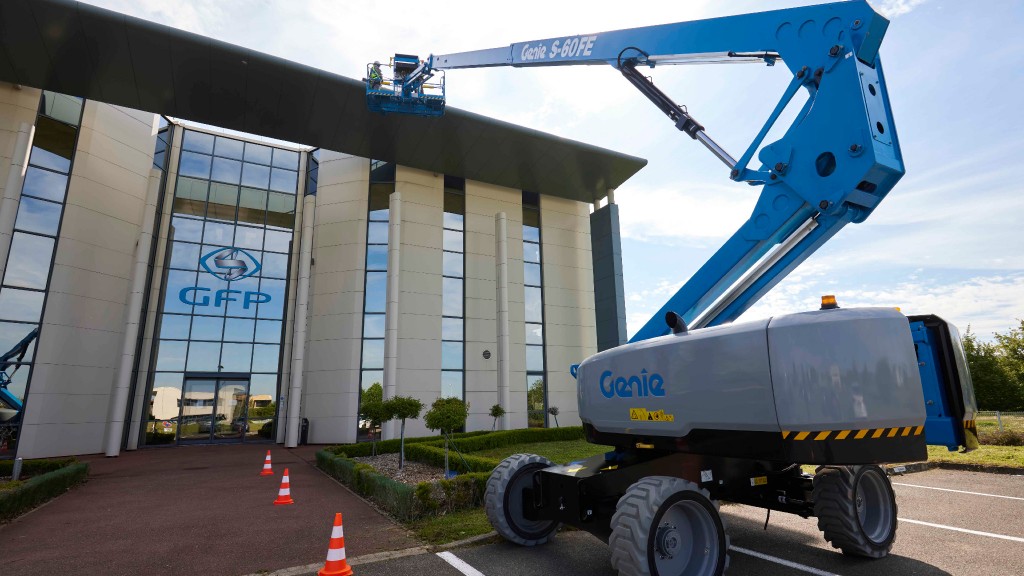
336,564
284,495
267,470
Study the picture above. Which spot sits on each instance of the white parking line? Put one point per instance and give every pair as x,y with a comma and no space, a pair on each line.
965,530
957,491
459,564
788,563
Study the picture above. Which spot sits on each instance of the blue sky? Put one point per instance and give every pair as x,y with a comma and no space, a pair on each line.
948,240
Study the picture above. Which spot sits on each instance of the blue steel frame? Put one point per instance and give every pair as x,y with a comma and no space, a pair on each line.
832,167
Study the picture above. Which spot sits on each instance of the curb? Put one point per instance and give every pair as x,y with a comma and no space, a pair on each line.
925,466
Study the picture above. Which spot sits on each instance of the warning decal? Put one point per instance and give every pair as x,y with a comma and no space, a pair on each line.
642,414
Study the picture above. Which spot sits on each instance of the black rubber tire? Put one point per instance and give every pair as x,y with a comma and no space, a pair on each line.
638,515
516,472
842,520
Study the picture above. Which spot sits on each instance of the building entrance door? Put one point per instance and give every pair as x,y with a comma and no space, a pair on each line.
213,408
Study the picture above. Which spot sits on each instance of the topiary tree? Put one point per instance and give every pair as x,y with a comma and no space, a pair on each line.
496,412
401,408
371,410
446,415
554,412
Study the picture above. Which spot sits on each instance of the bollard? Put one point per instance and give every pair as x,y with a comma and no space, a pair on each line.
1000,420
16,471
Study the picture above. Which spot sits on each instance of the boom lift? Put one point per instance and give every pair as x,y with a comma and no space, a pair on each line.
701,410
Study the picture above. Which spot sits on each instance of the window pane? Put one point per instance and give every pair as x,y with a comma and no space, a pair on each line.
274,265
207,328
174,326
376,285
451,355
248,237
28,263
195,165
53,144
67,109
451,384
381,171
265,358
452,297
237,357
47,159
255,175
531,217
239,329
164,403
223,198
190,196
206,301
257,153
451,329
531,274
281,210
275,307
203,356
229,147
276,241
286,159
452,241
218,234
44,184
534,334
373,354
12,333
377,257
198,142
456,221
531,234
454,203
378,233
38,216
283,180
452,265
531,252
177,281
225,170
534,311
171,355
268,331
535,395
239,307
252,206
186,229
185,255
534,358
373,325
369,378
380,200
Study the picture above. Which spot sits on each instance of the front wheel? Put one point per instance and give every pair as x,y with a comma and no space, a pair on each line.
503,500
666,526
856,509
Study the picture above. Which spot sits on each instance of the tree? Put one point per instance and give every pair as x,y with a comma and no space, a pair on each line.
496,412
1011,358
554,412
371,410
446,415
535,402
401,408
995,386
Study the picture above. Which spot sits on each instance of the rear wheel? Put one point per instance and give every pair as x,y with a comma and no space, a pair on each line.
666,526
856,509
503,500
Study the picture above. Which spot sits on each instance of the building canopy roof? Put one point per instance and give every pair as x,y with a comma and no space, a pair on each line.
98,54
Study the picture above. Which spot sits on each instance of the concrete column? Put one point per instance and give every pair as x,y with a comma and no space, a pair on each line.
119,398
391,309
301,316
501,277
12,190
611,196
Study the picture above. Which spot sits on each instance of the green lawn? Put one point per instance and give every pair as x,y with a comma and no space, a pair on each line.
991,424
558,452
452,527
1012,456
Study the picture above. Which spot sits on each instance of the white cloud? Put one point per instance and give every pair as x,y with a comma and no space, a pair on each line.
693,212
893,8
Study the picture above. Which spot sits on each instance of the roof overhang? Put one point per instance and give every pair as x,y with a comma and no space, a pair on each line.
79,49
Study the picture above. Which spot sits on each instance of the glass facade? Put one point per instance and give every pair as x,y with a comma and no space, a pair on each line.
218,345
26,278
453,265
536,386
371,374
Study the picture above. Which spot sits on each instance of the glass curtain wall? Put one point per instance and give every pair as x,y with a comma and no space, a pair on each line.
536,386
453,342
225,280
371,375
30,259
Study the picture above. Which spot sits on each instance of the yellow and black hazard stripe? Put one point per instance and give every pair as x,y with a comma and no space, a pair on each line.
971,425
855,446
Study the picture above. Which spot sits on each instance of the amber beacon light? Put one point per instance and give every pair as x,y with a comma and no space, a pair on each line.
828,302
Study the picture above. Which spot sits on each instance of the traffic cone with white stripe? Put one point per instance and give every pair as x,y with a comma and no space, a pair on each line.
284,495
336,564
267,470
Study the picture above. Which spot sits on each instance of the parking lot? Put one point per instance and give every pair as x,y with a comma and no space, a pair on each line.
951,522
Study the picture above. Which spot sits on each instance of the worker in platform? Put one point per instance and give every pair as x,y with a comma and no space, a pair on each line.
376,78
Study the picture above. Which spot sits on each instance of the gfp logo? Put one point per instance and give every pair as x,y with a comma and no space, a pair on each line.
640,386
228,264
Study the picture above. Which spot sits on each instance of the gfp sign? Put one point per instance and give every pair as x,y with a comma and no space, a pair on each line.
227,264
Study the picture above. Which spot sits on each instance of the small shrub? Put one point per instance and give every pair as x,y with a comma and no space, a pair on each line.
1004,438
36,467
496,412
39,489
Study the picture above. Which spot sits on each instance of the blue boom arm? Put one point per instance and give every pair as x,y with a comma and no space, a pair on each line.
834,164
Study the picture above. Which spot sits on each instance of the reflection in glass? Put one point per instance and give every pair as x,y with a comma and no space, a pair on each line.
198,142
531,252
283,180
373,354
229,413
239,329
185,255
188,229
197,410
237,307
377,233
281,210
452,241
534,334
203,356
451,355
177,282
61,107
264,357
534,358
190,196
275,307
268,331
452,264
194,165
257,153
373,326
252,206
376,285
531,234
451,384
28,263
174,326
171,355
451,297
287,159
218,234
534,311
207,328
249,237
274,265
236,357
38,216
12,333
531,274
370,377
225,170
377,257
44,184
223,198
255,176
277,241
22,305
229,148
451,329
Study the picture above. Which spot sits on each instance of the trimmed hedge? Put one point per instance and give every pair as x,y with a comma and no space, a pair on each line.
428,453
41,488
36,467
391,446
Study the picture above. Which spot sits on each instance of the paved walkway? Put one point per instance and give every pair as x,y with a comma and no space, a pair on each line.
193,510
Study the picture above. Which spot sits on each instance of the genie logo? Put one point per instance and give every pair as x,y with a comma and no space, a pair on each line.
639,386
227,264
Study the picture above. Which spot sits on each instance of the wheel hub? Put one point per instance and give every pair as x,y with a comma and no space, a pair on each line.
667,541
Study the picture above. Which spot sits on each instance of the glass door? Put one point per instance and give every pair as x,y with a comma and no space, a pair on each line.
213,410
